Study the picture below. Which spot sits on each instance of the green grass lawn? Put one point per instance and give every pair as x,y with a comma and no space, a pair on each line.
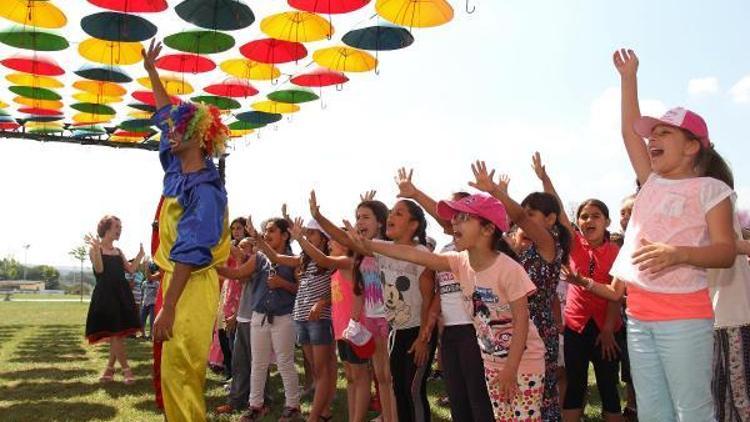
49,373
41,296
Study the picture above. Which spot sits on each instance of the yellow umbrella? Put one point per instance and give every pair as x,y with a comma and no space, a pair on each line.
296,27
237,133
174,85
3,105
43,14
101,89
87,97
27,79
415,13
111,52
129,139
30,102
140,114
345,59
43,125
248,69
92,118
274,107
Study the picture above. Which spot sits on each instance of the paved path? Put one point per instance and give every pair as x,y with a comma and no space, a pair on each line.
48,300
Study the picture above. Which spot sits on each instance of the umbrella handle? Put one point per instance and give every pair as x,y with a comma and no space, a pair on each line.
339,87
472,10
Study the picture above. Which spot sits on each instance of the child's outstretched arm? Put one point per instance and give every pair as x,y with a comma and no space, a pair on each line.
541,237
239,273
626,63
273,256
325,261
149,63
407,189
541,172
336,233
613,291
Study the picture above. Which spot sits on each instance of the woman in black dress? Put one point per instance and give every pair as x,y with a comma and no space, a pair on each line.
112,313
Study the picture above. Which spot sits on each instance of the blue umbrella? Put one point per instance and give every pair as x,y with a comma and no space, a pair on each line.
104,74
225,15
379,38
258,117
113,26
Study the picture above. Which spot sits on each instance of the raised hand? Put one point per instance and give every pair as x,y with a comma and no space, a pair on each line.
539,169
284,213
93,241
503,183
406,188
355,237
296,230
482,179
314,207
367,196
626,62
250,228
150,56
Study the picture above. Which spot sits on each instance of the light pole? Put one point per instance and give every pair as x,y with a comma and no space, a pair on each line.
25,259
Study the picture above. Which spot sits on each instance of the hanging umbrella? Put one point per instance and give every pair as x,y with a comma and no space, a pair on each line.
34,92
132,6
242,125
345,59
86,97
143,107
174,85
292,96
320,78
36,103
111,52
42,14
296,27
93,108
234,89
120,27
269,50
221,103
33,40
200,42
33,65
9,125
415,13
2,105
224,15
45,119
379,38
89,118
185,63
136,125
328,7
104,74
140,114
33,80
134,133
105,89
40,111
148,98
249,69
258,117
274,107
238,133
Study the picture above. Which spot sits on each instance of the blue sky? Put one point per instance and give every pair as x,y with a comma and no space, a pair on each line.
513,78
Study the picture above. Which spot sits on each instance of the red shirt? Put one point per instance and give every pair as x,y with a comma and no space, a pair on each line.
582,305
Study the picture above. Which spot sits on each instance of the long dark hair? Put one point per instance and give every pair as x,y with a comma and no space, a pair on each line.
380,210
547,204
498,240
710,163
602,207
243,222
284,227
417,214
306,259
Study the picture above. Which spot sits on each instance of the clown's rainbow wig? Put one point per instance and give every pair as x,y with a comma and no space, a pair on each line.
201,121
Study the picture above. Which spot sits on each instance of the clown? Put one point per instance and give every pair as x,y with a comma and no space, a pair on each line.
193,239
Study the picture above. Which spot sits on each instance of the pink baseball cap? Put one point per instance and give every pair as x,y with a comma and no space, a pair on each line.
678,117
481,205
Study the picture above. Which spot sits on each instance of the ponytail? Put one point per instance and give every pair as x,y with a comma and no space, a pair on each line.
710,163
417,214
499,244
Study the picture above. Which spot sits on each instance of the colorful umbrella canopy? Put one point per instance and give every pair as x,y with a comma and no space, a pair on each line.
36,103
147,97
92,118
41,119
33,40
185,63
35,92
258,117
296,27
136,125
415,13
292,96
274,107
238,133
111,52
249,69
270,50
93,108
132,6
345,59
320,78
86,97
33,65
172,84
2,105
107,89
121,27
328,7
9,125
200,42
224,15
143,107
42,14
140,114
378,38
104,74
222,103
40,111
242,125
33,80
233,89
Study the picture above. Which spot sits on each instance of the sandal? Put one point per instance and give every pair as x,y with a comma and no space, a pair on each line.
127,375
108,375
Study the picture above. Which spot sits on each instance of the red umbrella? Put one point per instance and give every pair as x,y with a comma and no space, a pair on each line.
8,125
132,6
320,78
185,63
328,7
147,97
128,134
33,65
233,88
269,50
40,111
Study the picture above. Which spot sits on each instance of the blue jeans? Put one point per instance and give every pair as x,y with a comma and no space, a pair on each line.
317,333
147,312
671,366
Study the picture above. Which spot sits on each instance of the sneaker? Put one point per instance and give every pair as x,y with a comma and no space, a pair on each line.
290,414
253,414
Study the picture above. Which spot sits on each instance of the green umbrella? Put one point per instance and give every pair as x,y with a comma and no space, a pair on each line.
35,92
136,125
222,103
45,130
200,42
33,40
225,15
292,96
104,74
143,107
93,108
240,125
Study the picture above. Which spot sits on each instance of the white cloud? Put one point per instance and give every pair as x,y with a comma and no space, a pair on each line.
703,86
740,91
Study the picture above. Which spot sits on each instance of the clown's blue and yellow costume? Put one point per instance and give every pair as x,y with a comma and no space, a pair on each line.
193,230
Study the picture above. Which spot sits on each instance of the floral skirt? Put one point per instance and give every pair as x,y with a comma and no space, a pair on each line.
731,379
525,406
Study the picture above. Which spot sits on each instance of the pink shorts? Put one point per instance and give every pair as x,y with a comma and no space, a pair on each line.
377,326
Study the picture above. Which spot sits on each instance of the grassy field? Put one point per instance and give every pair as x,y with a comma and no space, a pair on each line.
39,296
49,373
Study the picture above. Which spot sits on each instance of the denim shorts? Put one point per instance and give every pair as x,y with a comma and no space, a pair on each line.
317,333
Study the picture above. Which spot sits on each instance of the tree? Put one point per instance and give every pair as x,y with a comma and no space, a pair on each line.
51,277
79,253
10,268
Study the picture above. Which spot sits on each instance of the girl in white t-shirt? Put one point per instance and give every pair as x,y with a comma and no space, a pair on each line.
681,225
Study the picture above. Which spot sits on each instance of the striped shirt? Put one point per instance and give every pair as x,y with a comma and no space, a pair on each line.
313,285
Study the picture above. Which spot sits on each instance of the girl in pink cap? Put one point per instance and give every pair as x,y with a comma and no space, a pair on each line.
681,225
495,289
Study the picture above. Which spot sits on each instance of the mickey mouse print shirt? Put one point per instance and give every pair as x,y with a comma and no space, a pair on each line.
401,294
487,296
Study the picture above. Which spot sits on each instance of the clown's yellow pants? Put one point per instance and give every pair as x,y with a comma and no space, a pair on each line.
184,356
